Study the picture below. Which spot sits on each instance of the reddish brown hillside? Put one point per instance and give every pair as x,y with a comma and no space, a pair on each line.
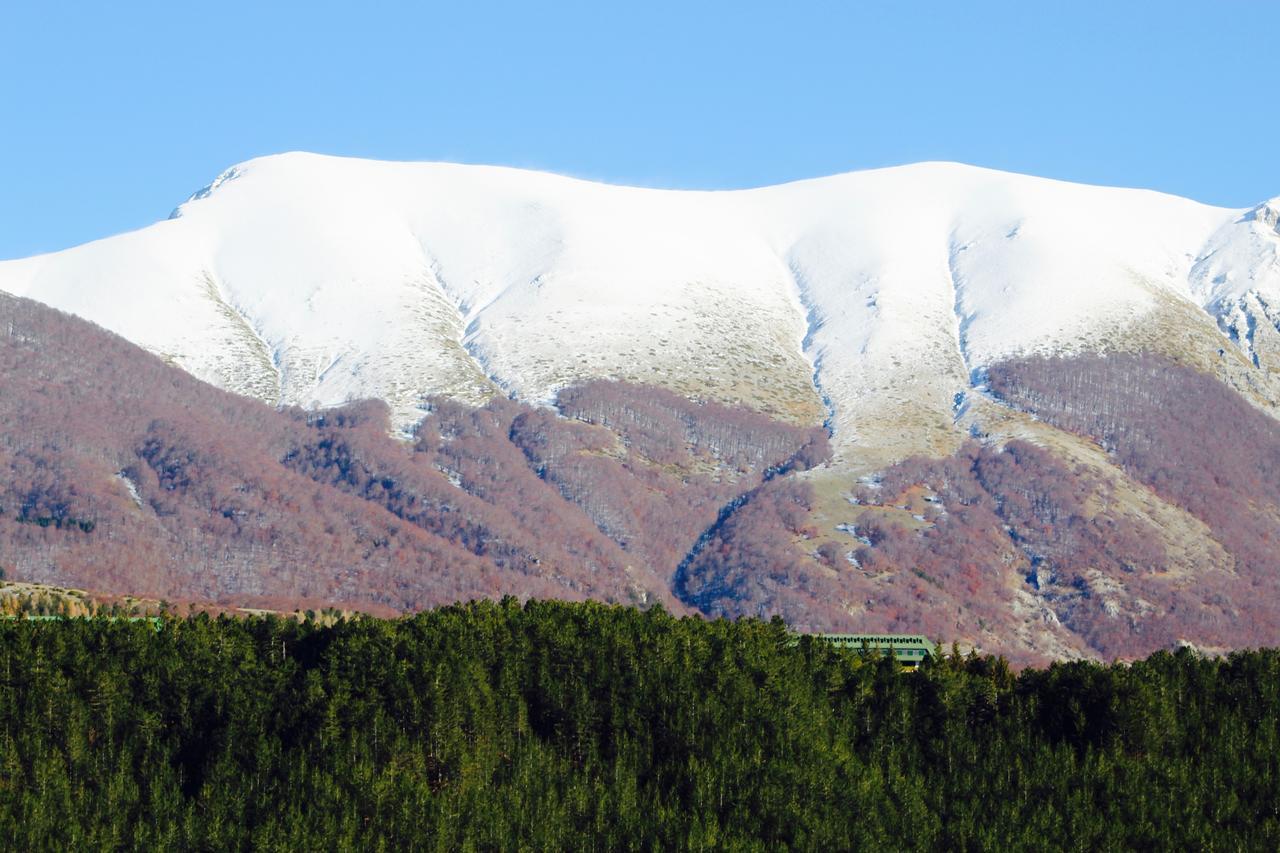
1106,506
122,474
1138,509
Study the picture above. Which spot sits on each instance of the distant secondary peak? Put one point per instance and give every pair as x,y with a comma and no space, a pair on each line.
1267,213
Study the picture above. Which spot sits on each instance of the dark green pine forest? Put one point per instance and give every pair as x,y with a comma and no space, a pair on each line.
553,726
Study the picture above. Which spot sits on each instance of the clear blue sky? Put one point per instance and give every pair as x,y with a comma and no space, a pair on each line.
112,113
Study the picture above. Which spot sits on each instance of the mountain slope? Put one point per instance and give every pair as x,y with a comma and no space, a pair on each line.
1089,518
869,299
1053,407
121,474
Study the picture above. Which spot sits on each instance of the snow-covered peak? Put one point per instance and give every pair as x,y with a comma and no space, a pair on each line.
863,298
1242,256
207,190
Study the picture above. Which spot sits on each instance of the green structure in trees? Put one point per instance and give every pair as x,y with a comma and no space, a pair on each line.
910,650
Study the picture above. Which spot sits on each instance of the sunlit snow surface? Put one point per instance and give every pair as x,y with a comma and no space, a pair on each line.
871,298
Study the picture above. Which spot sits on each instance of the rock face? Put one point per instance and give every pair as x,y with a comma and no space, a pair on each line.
1051,408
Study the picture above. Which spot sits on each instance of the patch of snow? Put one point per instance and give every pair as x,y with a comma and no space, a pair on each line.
131,488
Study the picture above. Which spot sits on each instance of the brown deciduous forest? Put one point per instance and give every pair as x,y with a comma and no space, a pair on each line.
1182,433
122,474
1002,540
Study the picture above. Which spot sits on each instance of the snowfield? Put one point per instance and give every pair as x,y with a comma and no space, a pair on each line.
870,299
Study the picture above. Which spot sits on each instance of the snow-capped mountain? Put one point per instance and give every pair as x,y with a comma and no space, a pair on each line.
872,300
1105,506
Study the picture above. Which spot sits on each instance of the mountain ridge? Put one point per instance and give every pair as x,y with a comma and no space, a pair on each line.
868,300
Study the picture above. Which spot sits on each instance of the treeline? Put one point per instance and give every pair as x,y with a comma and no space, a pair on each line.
583,726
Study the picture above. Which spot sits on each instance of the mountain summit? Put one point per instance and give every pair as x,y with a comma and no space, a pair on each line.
873,301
